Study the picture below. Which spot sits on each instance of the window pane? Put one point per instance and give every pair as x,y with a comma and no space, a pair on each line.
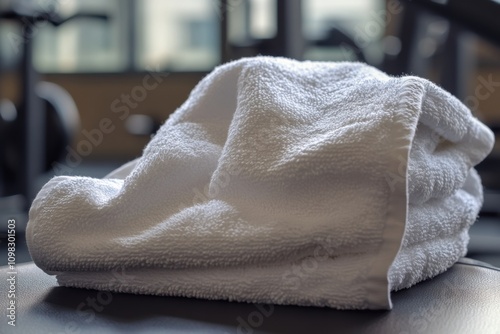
178,35
262,18
10,47
84,44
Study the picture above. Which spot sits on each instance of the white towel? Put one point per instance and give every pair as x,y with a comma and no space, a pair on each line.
281,182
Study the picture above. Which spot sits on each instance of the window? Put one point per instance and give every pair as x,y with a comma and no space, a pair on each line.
84,44
182,35
137,35
178,35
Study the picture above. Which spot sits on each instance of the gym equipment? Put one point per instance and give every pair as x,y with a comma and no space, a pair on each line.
35,134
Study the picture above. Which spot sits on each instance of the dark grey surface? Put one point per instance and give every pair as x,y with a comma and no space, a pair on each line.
465,299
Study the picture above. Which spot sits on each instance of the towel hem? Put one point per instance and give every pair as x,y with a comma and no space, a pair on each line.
409,100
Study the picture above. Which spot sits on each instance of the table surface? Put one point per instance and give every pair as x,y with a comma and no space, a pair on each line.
465,299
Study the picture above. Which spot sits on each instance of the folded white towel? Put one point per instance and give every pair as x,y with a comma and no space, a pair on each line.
277,181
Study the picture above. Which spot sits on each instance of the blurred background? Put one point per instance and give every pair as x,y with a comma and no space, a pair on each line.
85,83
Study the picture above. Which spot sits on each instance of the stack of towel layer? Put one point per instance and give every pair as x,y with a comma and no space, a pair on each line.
277,181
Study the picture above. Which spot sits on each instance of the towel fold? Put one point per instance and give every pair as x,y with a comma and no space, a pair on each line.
277,181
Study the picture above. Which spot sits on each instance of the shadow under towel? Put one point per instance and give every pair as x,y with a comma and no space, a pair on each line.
277,181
